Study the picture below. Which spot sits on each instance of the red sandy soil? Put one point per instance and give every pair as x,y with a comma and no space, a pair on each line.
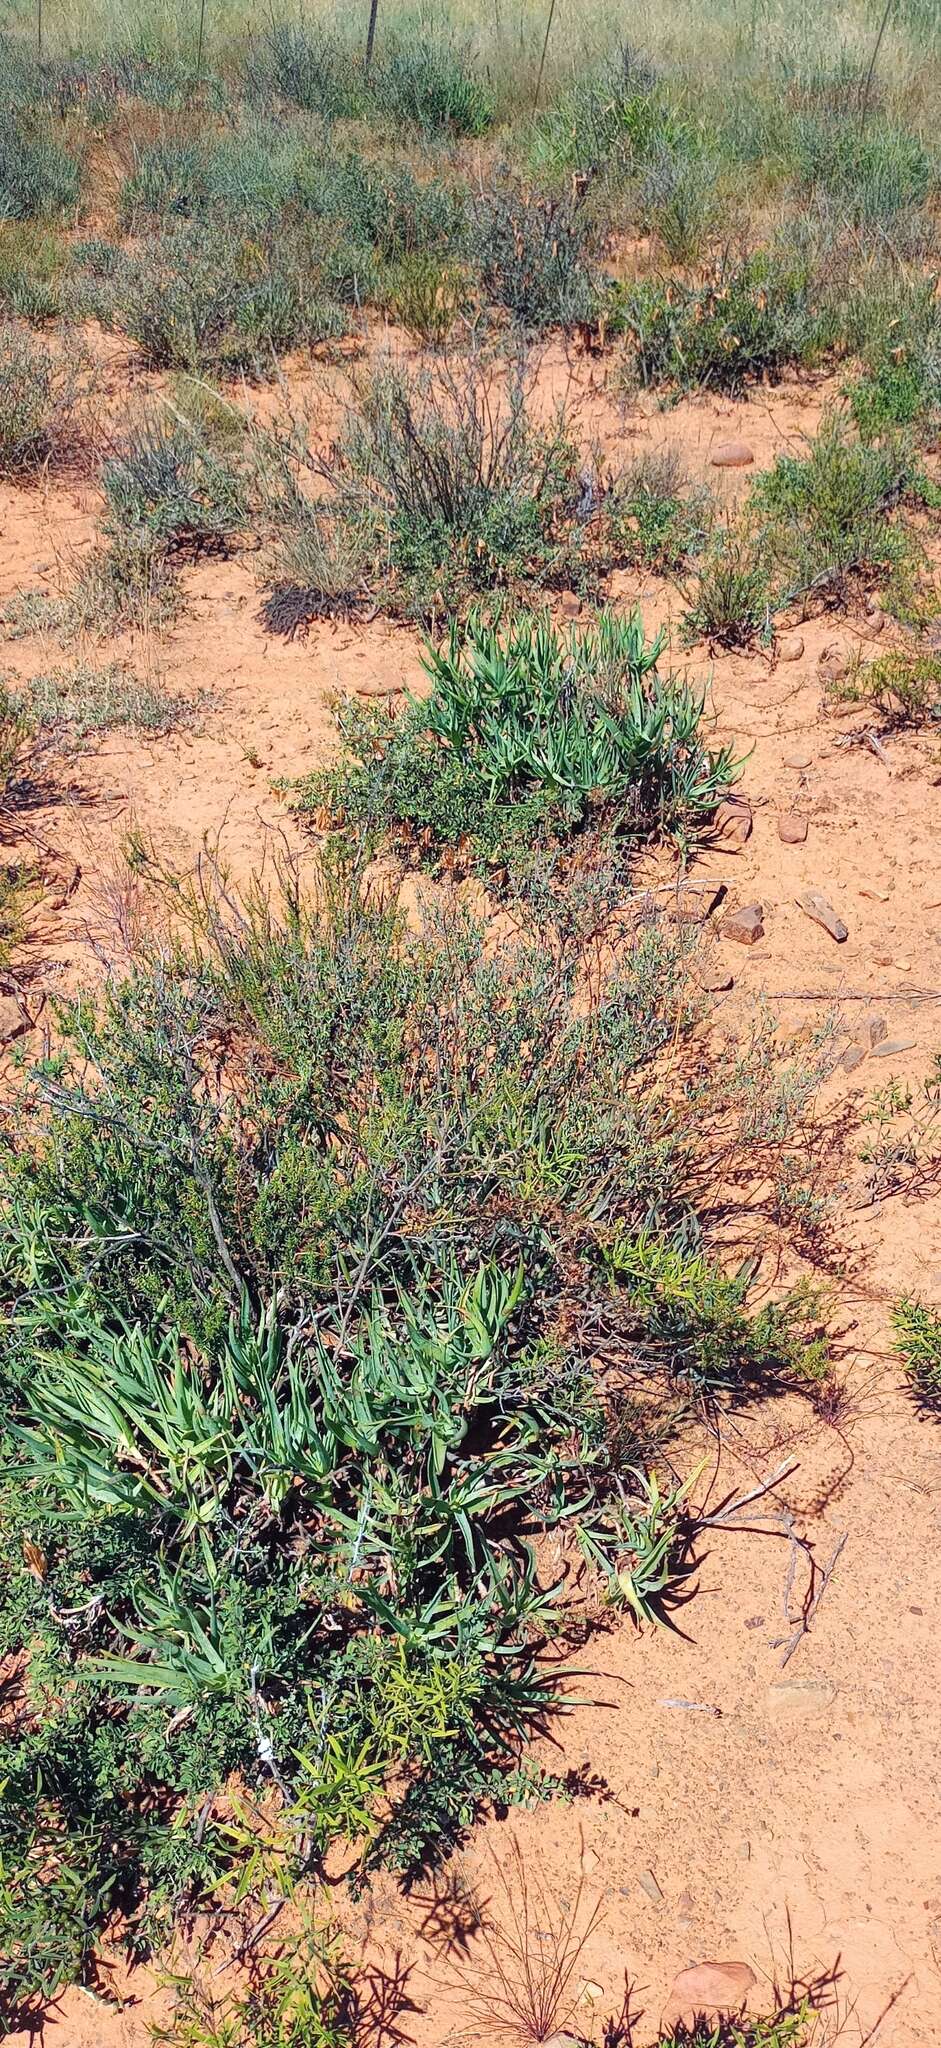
779,1814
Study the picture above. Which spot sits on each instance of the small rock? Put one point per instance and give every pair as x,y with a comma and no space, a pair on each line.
733,822
814,905
891,1047
791,647
648,1884
562,2041
13,1021
853,1058
706,1990
744,1849
832,664
591,1992
695,901
796,1699
874,1031
799,758
792,828
731,455
875,618
745,926
715,981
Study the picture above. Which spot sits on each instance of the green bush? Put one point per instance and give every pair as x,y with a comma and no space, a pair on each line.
38,180
731,601
655,519
903,687
195,300
825,515
431,89
167,488
918,1341
39,394
311,70
529,734
450,486
291,1387
530,252
752,320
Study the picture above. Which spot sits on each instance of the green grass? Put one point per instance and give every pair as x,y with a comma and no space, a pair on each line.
918,1342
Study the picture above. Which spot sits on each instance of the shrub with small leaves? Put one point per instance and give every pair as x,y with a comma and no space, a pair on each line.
531,252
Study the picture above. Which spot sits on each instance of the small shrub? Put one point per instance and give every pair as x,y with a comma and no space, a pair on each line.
918,1341
872,170
654,517
166,487
39,394
33,272
903,688
310,70
169,177
679,201
825,515
750,321
459,490
38,180
83,701
616,119
529,732
195,301
531,252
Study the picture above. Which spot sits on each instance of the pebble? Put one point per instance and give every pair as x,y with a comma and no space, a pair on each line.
716,981
791,647
792,828
706,1990
798,759
853,1058
874,1031
745,926
893,1046
648,1884
799,1698
731,455
814,905
733,821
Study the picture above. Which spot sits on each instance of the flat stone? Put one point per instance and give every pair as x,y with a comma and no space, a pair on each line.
745,926
695,901
791,647
648,1884
733,822
816,906
731,455
798,758
716,980
792,828
874,1031
853,1058
13,1021
800,1699
706,1990
893,1046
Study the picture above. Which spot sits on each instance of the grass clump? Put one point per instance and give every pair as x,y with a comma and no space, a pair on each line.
196,300
291,1389
84,701
168,487
527,736
918,1341
657,520
430,88
38,180
731,601
752,320
33,272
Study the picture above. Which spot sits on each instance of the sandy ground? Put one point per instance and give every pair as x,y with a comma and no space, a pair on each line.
724,1803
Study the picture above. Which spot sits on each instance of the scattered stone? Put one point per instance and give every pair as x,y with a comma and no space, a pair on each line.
791,647
893,1046
875,618
814,905
853,1058
591,1992
648,1884
832,663
745,926
797,1699
716,981
731,455
706,1990
744,1849
563,2041
799,758
733,821
874,1031
695,901
792,828
13,1021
